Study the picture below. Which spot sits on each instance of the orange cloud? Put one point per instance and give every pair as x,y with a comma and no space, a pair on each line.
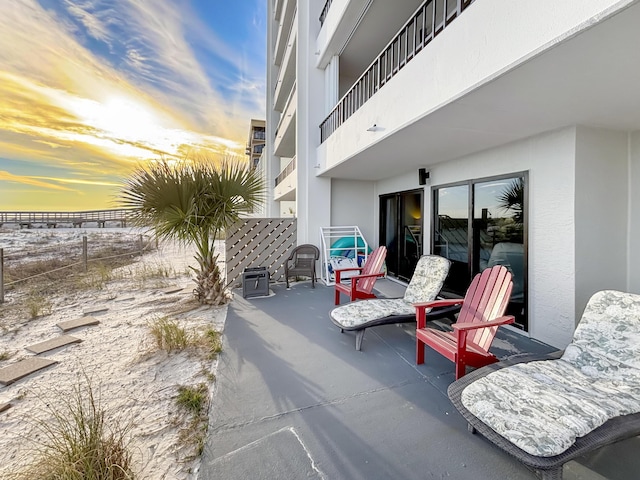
34,182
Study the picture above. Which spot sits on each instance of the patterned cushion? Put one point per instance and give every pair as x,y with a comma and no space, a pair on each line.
542,407
359,313
427,279
425,284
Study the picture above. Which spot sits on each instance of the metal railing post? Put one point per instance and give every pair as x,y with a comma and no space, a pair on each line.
84,253
1,275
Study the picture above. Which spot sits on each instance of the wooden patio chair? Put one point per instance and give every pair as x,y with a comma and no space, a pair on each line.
480,315
302,263
361,285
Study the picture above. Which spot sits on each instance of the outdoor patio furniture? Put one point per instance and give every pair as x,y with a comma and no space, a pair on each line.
478,321
425,284
302,263
548,410
361,285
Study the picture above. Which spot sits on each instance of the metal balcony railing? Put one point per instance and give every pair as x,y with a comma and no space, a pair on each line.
282,70
325,10
291,166
427,22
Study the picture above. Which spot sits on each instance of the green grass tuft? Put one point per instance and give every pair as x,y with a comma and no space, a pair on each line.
37,304
79,442
169,335
211,340
193,399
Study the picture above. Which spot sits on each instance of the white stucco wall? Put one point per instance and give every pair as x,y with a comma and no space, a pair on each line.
355,203
341,19
478,44
601,216
406,181
634,213
549,159
313,196
583,215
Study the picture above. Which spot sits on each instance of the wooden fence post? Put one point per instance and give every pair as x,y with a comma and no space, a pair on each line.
84,253
1,275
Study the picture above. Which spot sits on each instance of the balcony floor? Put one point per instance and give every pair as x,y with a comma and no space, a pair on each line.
294,399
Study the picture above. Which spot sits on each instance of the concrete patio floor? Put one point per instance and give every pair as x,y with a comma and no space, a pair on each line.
295,400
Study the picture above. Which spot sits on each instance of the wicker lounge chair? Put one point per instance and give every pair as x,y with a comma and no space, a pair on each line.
425,284
604,307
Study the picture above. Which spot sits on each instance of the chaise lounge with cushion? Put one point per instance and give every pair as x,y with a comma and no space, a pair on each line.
548,411
425,284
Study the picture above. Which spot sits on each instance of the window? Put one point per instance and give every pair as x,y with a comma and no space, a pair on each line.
258,133
479,224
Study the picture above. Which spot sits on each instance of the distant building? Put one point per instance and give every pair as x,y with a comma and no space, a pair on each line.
256,141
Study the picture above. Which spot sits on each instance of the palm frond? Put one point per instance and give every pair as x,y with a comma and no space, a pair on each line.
193,201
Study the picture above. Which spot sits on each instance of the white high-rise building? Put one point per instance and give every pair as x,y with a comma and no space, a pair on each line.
486,131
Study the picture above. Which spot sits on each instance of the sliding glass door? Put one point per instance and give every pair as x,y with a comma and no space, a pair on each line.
480,224
401,231
451,234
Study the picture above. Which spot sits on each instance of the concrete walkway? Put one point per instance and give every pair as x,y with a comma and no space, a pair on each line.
295,400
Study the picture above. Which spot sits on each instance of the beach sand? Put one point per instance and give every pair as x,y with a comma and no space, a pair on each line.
137,384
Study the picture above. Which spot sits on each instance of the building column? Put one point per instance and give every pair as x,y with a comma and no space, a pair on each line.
332,84
313,195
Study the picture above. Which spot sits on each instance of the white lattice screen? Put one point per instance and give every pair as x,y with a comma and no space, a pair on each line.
259,242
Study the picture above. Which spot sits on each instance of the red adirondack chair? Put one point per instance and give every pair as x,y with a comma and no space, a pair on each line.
480,316
361,285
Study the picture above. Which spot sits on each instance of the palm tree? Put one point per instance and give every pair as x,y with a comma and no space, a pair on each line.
193,202
512,198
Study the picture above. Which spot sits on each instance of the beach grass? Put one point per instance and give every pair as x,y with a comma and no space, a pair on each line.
194,401
169,335
57,287
37,304
211,341
80,441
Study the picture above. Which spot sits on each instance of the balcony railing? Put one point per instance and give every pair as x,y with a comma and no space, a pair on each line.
285,109
427,22
291,166
325,10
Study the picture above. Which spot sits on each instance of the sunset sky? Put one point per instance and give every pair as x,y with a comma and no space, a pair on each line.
91,88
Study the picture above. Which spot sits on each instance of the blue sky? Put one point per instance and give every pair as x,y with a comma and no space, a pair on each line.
91,88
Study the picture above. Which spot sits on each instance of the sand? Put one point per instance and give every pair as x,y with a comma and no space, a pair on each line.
137,383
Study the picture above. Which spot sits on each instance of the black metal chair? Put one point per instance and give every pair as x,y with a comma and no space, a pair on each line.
302,263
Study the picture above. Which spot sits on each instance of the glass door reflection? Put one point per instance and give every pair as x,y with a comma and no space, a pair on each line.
451,234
